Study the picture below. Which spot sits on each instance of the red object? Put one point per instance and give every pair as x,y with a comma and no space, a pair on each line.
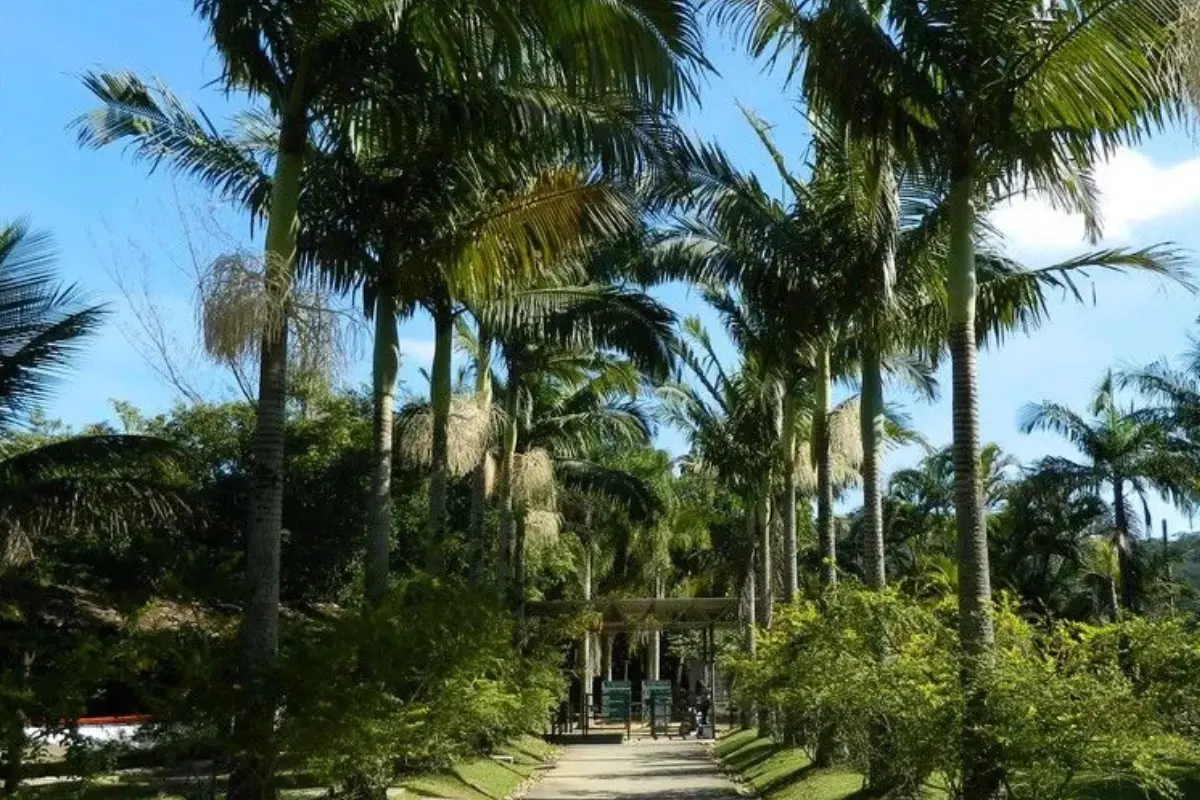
128,719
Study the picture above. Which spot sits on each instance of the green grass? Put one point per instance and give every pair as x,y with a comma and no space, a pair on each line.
481,778
775,772
475,779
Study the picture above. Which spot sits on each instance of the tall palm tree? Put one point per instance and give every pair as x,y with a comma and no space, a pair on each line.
303,62
773,255
502,234
599,318
731,434
98,482
1128,455
482,144
79,484
984,99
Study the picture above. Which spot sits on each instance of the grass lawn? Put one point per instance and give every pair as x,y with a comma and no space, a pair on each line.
477,779
776,772
481,778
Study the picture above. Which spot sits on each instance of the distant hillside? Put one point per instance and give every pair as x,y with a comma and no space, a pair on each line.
1185,566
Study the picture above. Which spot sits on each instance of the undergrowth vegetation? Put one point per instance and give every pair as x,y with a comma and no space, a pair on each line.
869,679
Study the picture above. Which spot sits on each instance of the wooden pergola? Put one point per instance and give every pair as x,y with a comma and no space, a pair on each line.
634,614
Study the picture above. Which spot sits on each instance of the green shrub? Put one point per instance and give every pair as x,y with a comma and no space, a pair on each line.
1065,705
431,676
874,666
1065,711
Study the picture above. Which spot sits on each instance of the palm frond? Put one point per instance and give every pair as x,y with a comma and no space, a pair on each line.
160,129
42,322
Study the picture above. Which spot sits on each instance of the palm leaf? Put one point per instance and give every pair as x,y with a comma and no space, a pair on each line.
42,322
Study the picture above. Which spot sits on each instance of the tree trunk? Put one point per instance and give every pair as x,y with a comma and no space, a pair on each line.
981,771
1166,551
15,744
766,717
654,652
791,577
13,740
508,455
871,420
385,371
253,776
766,580
826,534
440,397
1124,548
479,481
748,715
519,568
585,677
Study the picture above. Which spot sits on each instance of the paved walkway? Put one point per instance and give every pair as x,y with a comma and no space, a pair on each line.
642,768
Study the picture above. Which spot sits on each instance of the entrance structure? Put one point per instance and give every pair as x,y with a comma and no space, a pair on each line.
655,615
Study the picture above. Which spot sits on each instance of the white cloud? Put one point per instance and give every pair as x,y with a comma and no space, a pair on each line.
417,348
1133,191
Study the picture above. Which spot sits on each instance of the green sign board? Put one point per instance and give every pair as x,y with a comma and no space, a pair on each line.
656,690
656,702
616,697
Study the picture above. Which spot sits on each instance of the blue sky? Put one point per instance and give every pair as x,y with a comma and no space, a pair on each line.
108,216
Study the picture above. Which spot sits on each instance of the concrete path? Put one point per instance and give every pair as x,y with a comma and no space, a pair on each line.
642,769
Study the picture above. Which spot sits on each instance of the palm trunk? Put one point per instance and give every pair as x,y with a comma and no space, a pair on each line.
791,578
766,717
14,755
654,652
1124,547
508,455
585,672
385,371
751,633
981,771
12,735
253,776
519,568
752,604
825,531
766,576
479,481
440,396
871,420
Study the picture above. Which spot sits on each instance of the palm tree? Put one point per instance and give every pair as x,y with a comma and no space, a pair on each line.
1043,549
729,420
737,237
984,100
81,484
598,318
96,481
478,184
922,503
501,234
303,62
1128,455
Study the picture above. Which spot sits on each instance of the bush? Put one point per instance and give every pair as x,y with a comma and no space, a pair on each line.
431,676
874,666
1065,711
1067,704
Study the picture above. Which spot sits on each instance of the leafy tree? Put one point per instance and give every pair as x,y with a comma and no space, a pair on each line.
57,492
1127,455
982,99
